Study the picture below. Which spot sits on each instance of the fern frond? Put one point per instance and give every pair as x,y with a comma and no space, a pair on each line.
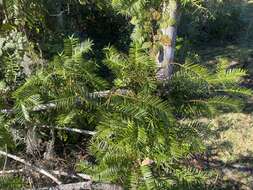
219,101
148,178
236,91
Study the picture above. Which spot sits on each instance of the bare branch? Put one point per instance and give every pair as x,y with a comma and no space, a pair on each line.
55,172
81,131
78,175
4,172
84,185
35,168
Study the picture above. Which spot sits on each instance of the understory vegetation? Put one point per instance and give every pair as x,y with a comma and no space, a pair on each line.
119,94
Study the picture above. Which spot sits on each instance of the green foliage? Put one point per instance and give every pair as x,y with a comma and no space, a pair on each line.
145,131
140,142
24,13
138,129
12,47
10,183
224,22
196,91
6,140
150,17
127,68
66,82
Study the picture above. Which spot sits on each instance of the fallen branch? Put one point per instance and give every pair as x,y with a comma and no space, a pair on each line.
83,185
35,168
81,131
55,172
78,175
72,186
11,171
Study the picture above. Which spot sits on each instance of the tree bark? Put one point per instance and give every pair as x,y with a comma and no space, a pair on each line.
167,53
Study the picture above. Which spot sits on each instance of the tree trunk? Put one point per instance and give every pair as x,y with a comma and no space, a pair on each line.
60,11
167,53
1,12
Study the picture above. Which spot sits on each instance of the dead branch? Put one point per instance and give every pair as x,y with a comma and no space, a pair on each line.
66,174
55,172
81,131
83,186
35,168
4,172
74,186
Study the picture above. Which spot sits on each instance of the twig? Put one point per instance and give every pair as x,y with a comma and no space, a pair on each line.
6,158
81,131
40,170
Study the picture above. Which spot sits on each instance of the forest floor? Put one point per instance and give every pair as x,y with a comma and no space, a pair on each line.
233,141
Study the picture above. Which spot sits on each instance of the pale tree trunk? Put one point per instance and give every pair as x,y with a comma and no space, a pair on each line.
167,53
60,20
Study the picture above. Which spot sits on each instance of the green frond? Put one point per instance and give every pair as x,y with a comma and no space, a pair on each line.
134,181
225,101
189,176
222,65
214,104
84,47
70,45
23,107
197,91
148,178
228,76
65,119
194,71
236,91
114,60
127,68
